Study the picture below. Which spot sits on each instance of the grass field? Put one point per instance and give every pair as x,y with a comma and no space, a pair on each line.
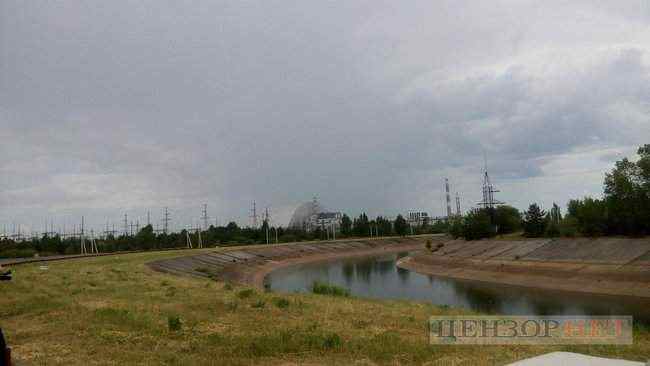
115,310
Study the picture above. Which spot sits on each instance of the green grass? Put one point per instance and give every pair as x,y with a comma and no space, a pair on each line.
115,310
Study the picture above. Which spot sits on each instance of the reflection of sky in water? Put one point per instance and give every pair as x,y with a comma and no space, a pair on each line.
378,277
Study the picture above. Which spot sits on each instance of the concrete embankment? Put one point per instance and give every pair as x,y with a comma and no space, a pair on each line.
612,266
251,265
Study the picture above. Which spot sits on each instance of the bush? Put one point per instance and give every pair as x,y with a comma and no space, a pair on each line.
243,294
477,225
327,289
282,303
456,228
17,253
569,227
174,323
260,304
507,219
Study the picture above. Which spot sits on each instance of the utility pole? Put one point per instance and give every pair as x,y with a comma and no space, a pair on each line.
458,213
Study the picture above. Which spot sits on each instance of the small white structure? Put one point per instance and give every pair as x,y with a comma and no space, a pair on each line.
573,359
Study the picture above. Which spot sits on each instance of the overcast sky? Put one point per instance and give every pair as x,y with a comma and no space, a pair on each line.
118,106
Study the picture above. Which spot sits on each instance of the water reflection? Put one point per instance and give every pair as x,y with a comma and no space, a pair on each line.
378,277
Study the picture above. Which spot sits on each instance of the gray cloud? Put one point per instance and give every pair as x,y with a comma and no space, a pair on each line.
121,106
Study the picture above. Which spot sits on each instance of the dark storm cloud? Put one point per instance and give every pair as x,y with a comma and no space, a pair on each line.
124,106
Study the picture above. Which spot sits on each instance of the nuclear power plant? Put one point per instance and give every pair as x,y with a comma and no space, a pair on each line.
311,215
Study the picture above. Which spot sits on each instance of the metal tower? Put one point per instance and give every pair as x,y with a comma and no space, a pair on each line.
166,220
253,216
205,216
449,214
488,192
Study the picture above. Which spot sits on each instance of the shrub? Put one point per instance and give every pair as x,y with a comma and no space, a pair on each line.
232,306
244,294
174,323
282,303
260,304
327,289
477,225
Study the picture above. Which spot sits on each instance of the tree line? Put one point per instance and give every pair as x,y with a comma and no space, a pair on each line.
624,209
229,235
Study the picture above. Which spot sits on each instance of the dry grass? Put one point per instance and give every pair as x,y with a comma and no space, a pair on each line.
114,310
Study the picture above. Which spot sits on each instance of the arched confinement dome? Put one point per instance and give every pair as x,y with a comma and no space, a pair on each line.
303,214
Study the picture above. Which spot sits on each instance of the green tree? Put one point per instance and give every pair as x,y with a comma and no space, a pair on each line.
627,195
384,226
346,225
507,219
401,226
534,221
145,238
477,224
361,225
590,214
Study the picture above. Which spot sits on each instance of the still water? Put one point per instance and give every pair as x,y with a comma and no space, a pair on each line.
379,277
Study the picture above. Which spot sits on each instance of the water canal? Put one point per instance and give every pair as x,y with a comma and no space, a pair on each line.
378,277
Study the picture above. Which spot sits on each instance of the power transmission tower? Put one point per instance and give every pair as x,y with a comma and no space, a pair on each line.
189,241
205,216
148,217
166,220
126,225
253,216
93,243
488,192
458,213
